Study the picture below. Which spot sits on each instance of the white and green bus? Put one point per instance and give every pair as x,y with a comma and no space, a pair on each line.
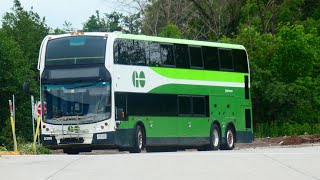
130,92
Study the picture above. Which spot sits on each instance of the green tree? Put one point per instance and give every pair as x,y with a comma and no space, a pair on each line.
21,35
171,31
95,24
27,29
13,70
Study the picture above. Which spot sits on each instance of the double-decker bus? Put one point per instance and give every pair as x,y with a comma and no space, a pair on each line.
130,92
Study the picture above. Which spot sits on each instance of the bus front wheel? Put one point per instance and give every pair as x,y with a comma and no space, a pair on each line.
215,137
138,140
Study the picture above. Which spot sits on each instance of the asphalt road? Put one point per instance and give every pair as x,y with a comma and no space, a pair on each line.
270,163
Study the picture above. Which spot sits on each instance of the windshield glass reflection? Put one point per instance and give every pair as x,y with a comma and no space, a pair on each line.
77,103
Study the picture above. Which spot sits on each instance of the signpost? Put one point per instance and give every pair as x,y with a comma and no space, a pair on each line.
32,119
11,106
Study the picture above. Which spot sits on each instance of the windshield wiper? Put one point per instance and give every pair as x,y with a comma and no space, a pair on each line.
67,118
86,85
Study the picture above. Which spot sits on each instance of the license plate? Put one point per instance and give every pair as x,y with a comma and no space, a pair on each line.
101,136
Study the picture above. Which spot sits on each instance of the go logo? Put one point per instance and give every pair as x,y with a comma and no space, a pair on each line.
74,129
138,80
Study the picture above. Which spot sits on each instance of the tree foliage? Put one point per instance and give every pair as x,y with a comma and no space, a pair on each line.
20,38
282,38
114,21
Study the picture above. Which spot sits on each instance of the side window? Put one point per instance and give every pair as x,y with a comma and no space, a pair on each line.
167,55
121,53
153,54
137,53
211,59
240,60
199,106
196,57
181,54
152,104
184,104
226,61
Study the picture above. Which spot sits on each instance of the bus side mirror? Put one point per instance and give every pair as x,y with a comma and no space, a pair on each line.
26,87
37,78
120,114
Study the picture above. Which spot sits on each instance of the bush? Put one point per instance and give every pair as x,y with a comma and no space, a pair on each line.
285,129
2,148
27,148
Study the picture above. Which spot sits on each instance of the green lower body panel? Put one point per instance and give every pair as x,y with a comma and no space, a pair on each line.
177,141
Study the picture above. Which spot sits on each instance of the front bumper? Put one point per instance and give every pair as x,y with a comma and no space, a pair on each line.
115,139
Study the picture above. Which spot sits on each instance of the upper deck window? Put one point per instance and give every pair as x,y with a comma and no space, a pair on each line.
76,50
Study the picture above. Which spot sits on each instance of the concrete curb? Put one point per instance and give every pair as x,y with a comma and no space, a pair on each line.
2,153
9,153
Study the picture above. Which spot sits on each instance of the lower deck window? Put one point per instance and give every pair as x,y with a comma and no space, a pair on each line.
139,104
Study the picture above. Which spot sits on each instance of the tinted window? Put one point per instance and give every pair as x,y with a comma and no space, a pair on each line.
196,56
129,52
226,61
76,50
185,105
152,104
137,53
199,105
240,60
121,51
210,56
248,118
121,104
153,54
181,55
167,55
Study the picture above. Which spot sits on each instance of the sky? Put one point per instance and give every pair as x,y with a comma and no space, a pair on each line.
58,11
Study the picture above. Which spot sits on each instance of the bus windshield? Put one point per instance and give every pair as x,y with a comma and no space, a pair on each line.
76,50
77,103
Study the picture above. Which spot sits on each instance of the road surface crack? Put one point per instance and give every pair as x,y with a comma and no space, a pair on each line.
49,177
290,167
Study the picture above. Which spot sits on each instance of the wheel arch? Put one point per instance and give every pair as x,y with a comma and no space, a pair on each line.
215,121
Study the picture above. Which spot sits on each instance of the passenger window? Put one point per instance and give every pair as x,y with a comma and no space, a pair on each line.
185,105
240,60
196,57
226,61
167,55
199,106
210,56
181,55
137,54
121,55
152,104
153,54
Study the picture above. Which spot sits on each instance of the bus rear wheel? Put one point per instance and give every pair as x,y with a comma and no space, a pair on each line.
229,139
138,140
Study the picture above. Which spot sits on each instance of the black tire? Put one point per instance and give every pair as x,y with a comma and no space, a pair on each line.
71,151
139,140
229,139
215,138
